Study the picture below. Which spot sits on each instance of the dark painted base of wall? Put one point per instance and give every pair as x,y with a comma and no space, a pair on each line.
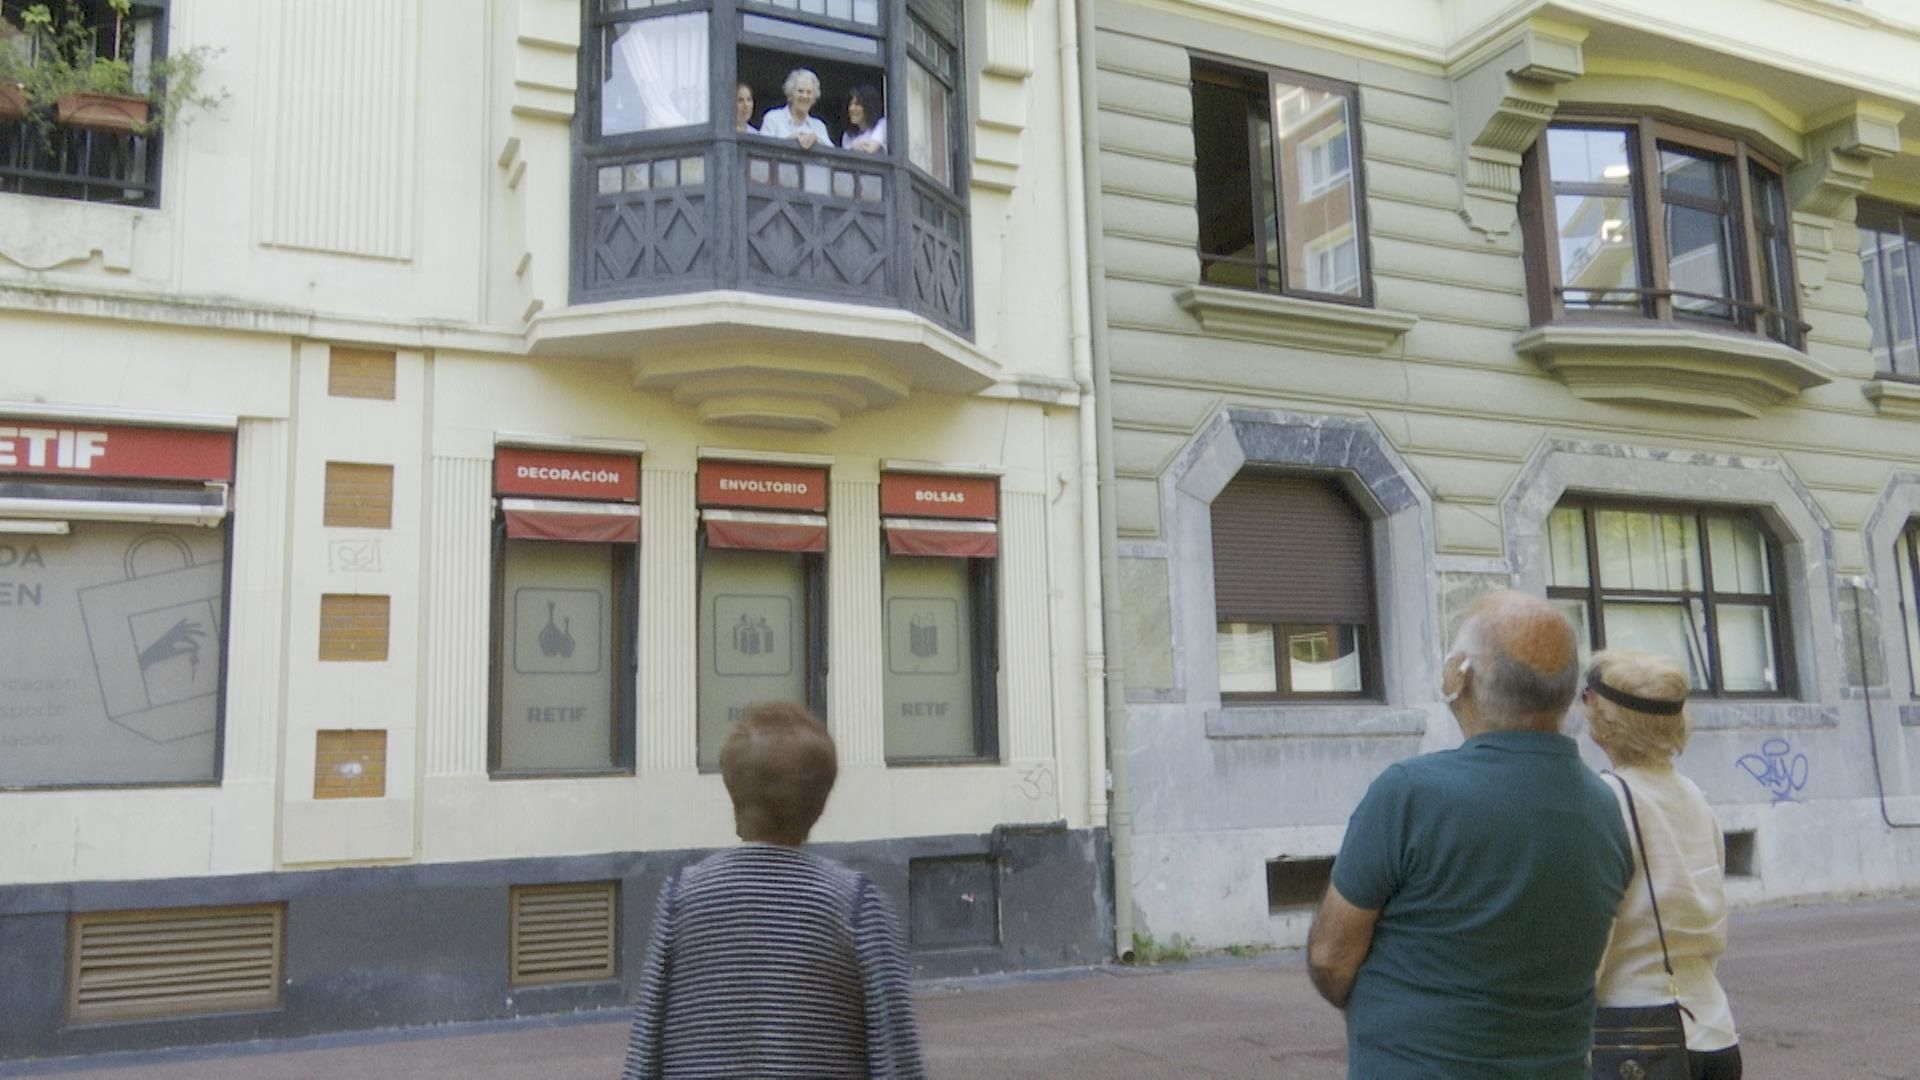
383,947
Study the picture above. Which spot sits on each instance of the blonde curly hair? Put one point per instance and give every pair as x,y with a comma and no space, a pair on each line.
1628,736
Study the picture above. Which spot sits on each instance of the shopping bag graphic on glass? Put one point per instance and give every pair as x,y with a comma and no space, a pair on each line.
156,640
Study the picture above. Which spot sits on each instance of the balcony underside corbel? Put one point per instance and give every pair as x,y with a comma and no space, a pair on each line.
1837,169
1504,97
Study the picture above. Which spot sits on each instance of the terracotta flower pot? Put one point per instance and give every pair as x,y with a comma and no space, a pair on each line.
13,101
102,112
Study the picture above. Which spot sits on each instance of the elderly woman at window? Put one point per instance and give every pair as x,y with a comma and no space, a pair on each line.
1636,712
794,120
866,129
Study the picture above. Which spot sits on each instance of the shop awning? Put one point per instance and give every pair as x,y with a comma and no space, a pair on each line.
952,539
204,504
581,522
761,531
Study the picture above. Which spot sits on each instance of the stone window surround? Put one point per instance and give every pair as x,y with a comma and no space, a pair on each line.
1401,516
1766,485
1896,508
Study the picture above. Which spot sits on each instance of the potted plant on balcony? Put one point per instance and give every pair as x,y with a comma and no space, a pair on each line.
19,46
66,80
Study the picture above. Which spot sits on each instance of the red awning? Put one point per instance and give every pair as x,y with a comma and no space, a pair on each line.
952,539
588,523
766,532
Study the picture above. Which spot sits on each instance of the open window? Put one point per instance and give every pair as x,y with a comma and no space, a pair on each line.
113,599
762,620
566,540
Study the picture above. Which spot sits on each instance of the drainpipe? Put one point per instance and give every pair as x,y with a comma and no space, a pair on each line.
1106,703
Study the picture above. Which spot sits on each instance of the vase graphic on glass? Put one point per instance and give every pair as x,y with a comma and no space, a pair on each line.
556,640
752,636
923,635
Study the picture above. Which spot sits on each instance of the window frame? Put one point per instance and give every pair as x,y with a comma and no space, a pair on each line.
1595,595
1908,575
1907,221
1258,79
624,653
983,597
1646,132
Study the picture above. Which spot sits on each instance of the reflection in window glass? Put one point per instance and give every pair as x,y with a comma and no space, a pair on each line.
1592,172
1772,226
111,670
1889,255
930,138
1907,564
1318,204
1675,631
1742,562
1645,550
557,661
1246,659
753,641
1746,648
656,74
1323,659
1567,546
930,674
1320,658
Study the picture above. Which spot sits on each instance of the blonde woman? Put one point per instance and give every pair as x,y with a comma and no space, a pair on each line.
1636,712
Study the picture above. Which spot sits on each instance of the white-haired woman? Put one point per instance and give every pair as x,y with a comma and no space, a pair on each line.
1636,712
795,119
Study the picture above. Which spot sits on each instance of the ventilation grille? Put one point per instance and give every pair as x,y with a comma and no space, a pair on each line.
563,933
142,964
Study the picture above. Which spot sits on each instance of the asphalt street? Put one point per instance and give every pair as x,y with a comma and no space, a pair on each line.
1827,992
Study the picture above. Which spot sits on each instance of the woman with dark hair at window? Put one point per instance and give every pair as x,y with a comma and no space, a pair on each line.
743,108
795,119
866,120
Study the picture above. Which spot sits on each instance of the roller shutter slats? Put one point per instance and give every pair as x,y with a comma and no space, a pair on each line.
1289,549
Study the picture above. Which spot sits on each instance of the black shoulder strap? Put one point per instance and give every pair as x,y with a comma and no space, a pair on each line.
1646,871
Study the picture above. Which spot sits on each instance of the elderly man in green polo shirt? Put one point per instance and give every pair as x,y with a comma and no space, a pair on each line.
1474,892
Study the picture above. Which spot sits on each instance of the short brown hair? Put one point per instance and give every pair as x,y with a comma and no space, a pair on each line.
779,766
1629,736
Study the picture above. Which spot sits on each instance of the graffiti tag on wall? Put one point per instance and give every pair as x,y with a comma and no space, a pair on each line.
1778,769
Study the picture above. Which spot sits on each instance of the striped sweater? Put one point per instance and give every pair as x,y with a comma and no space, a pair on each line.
769,961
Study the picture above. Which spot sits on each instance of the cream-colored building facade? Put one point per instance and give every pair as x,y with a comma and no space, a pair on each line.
1622,335
421,245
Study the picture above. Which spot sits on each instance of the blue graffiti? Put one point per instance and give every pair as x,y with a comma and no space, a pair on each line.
1778,768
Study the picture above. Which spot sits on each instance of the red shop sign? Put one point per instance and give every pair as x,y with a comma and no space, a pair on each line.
107,451
565,474
932,495
763,487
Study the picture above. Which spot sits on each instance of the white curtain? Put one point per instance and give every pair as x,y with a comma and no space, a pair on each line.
658,77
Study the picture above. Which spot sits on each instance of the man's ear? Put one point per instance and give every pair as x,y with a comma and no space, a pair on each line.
1455,673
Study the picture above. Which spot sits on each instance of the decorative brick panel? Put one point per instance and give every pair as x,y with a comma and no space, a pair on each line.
359,496
354,627
350,765
361,373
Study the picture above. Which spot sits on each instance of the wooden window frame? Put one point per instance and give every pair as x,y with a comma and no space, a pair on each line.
1906,220
1252,80
1595,595
1646,133
983,597
625,662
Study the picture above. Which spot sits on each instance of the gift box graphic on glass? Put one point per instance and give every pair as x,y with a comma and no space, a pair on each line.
156,640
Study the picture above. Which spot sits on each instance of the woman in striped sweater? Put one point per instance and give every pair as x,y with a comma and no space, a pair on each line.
767,960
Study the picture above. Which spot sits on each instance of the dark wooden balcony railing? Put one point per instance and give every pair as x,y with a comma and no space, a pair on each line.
768,217
72,163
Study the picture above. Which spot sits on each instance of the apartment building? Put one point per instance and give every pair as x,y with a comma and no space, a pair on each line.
413,458
1399,303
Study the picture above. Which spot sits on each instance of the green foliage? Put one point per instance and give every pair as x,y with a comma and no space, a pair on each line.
1148,952
53,52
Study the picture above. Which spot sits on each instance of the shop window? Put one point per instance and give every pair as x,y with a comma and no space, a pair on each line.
1276,162
762,620
939,600
566,537
113,604
851,188
1906,561
1890,270
1636,218
1698,587
1293,593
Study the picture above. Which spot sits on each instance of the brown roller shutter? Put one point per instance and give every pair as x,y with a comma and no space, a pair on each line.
1289,549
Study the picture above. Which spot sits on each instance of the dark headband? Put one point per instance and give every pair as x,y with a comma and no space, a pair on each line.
1651,706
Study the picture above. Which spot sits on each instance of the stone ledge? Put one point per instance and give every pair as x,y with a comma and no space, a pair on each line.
1894,396
1760,715
1361,720
1671,366
1289,320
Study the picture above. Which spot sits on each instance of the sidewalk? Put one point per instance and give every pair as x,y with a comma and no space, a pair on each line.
1820,993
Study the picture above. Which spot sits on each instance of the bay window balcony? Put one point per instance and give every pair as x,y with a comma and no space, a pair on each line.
678,191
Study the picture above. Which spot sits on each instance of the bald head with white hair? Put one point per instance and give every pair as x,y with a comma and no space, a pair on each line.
1515,666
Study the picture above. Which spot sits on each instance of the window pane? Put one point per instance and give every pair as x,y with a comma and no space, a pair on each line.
1909,603
1318,199
1576,613
1589,156
1598,259
656,74
1699,261
1567,547
1323,659
111,671
1641,549
1673,630
929,694
1772,226
1246,659
1877,250
929,135
556,656
1740,556
752,638
1234,196
1746,648
807,35
1697,175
